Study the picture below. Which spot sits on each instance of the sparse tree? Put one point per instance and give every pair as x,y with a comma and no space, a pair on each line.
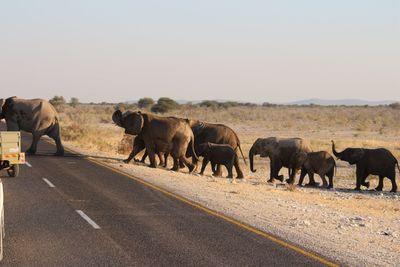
74,101
58,102
145,102
165,104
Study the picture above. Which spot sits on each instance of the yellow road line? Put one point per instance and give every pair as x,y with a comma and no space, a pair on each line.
216,214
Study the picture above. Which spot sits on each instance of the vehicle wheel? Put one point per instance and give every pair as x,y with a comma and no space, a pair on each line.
13,171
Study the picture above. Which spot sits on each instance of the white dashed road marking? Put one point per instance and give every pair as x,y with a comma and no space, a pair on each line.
28,164
86,218
48,182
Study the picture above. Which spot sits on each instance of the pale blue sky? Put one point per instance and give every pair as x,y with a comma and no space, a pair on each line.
274,51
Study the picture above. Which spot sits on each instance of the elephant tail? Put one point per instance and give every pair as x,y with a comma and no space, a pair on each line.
241,152
398,167
192,145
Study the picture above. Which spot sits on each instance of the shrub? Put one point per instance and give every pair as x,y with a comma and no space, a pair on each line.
74,102
58,102
395,105
164,104
145,102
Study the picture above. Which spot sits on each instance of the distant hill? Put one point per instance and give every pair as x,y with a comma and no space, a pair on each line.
316,101
339,102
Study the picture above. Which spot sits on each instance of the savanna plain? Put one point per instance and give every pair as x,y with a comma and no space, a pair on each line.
352,228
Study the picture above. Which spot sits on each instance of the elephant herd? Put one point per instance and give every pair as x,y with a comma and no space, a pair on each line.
218,144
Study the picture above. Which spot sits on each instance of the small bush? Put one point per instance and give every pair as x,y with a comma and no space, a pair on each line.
165,104
145,102
395,105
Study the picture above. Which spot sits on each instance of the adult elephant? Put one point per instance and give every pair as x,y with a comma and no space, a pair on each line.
160,134
280,152
379,161
216,134
36,116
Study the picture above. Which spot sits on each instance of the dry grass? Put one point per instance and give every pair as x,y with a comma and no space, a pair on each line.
90,126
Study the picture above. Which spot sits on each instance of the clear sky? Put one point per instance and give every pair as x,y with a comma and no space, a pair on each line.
248,50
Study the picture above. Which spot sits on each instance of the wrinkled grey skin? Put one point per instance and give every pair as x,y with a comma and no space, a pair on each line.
279,151
36,116
379,161
160,134
217,134
217,154
321,163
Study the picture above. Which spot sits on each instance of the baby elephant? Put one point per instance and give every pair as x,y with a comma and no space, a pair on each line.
218,154
320,162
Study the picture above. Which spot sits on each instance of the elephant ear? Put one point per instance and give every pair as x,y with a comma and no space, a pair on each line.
133,123
117,118
1,108
356,155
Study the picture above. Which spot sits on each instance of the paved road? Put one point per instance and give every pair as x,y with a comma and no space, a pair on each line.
139,226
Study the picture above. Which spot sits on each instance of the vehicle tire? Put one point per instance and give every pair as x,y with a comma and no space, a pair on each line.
13,171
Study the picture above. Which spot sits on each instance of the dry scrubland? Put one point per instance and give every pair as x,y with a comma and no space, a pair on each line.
358,229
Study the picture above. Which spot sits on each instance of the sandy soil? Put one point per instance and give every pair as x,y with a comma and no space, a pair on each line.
356,229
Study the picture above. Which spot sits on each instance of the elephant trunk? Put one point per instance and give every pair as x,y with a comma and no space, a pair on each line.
251,155
337,154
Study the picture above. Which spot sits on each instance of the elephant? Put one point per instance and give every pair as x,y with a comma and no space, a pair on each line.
216,134
217,154
160,134
36,116
138,146
379,161
320,162
280,152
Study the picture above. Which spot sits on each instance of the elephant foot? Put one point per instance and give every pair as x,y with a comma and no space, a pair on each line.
217,174
126,161
59,153
280,178
357,189
271,181
329,187
136,160
366,184
153,166
299,184
312,184
191,168
240,176
378,189
289,181
394,190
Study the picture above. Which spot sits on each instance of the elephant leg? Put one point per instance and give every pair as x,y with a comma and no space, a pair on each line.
183,160
203,165
217,172
175,166
166,160
239,171
392,178
160,158
275,166
361,175
195,163
229,168
312,180
302,175
152,157
181,164
35,139
330,176
143,159
292,175
55,135
380,184
324,182
134,152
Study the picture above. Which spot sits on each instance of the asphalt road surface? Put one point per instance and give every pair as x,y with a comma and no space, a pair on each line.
69,211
